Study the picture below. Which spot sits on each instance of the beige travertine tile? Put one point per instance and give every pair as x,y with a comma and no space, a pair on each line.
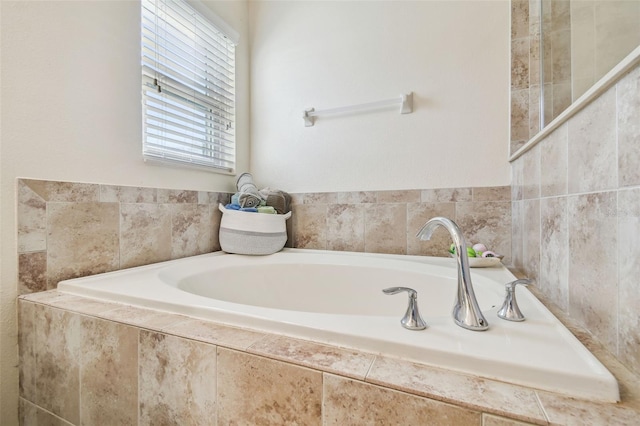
520,63
69,192
57,367
27,349
46,297
517,229
356,197
145,234
297,198
82,239
492,193
32,272
32,219
345,227
548,97
108,373
629,270
593,164
417,215
386,228
489,420
215,216
82,304
191,229
519,117
442,195
553,163
177,381
487,222
309,226
398,196
534,48
534,105
554,256
593,264
127,194
214,198
143,318
32,415
350,402
531,239
628,107
467,391
309,354
531,174
560,15
561,97
177,196
288,394
561,57
568,411
519,18
214,333
517,179
320,198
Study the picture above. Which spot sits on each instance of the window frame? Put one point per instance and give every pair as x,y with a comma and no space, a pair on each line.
188,86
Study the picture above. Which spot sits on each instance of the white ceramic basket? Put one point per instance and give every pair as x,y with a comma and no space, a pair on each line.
252,233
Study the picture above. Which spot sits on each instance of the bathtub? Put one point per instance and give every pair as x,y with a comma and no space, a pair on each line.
336,298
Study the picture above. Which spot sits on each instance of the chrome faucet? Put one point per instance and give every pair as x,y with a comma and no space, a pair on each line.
412,319
466,312
510,310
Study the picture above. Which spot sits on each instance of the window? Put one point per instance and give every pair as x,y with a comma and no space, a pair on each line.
188,87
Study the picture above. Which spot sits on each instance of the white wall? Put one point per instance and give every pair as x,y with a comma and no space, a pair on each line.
454,56
71,112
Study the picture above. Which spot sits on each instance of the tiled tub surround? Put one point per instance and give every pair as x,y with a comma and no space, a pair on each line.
576,217
85,361
387,221
336,298
68,230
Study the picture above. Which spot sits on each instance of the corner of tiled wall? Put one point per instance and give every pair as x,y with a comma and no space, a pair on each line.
576,217
67,230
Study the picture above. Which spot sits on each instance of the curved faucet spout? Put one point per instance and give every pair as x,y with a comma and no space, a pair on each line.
466,312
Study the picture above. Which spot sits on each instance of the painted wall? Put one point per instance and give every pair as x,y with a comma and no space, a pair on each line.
71,112
454,56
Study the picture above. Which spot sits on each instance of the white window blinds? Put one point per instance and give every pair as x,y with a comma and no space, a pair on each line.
188,87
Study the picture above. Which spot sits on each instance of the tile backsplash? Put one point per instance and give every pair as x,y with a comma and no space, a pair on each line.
387,221
68,230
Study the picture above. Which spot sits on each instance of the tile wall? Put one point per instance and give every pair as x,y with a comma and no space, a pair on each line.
91,362
526,54
387,221
68,230
525,71
576,217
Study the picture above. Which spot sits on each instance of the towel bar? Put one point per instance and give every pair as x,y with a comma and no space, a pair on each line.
405,101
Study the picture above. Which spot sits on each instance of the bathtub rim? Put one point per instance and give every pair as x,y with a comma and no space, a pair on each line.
328,338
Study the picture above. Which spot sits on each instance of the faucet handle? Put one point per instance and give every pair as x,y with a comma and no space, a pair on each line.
510,310
412,319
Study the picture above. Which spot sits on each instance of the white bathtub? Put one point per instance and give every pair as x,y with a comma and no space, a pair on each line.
336,298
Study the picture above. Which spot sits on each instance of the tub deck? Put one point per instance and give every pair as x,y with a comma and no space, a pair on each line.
336,298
